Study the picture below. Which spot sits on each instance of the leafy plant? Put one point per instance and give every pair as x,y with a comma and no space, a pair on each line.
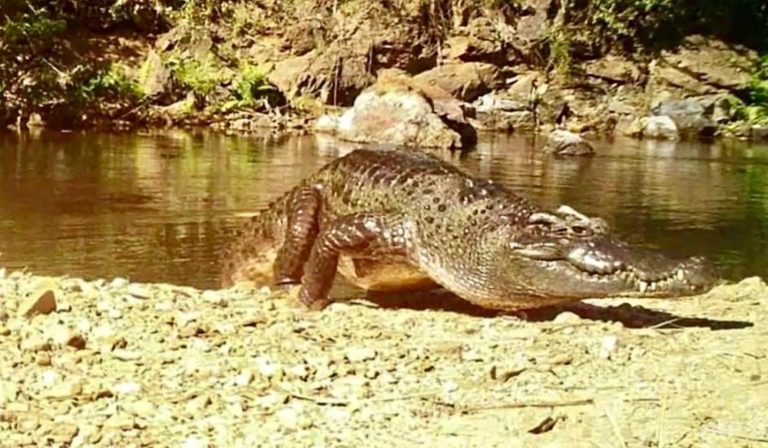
112,83
757,110
202,76
251,89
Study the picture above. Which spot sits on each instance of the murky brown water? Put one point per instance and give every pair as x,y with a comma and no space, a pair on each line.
157,207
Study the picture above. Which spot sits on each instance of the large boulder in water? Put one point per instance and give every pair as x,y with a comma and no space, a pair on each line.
659,127
566,143
401,111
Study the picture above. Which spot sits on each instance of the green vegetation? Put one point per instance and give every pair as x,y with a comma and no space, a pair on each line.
651,24
215,48
110,84
201,76
757,110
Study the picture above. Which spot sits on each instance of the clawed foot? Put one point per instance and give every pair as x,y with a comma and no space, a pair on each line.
299,295
312,303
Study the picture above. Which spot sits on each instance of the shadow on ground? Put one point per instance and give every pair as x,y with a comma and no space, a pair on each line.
631,316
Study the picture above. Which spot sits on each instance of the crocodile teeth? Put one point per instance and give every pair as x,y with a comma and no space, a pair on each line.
643,286
680,275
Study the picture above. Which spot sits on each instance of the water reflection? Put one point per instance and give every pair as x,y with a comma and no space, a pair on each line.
157,206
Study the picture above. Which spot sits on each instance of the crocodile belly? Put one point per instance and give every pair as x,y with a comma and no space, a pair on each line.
387,275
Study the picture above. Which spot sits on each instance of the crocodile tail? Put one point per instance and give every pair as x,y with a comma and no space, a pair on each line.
251,254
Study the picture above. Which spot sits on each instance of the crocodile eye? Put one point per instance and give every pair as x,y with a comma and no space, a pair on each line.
580,230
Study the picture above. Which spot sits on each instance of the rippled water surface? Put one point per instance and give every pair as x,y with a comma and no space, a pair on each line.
158,207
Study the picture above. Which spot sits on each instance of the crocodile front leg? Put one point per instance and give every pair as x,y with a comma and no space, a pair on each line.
363,235
300,234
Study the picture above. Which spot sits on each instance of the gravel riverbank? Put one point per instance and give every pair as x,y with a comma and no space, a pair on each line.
115,363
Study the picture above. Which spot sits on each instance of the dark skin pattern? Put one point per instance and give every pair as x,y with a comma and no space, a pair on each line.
400,220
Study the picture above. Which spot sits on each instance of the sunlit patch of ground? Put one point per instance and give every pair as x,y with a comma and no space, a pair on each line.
114,363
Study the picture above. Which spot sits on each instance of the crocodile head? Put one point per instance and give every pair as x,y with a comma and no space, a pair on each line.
569,256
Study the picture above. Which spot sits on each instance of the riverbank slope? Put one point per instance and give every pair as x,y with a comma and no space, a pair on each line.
108,363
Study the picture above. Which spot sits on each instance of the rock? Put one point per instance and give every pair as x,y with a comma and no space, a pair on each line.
155,78
614,69
400,111
494,101
35,120
126,388
465,81
565,143
758,133
267,368
483,40
659,127
8,392
177,111
326,123
119,283
68,389
244,378
312,74
40,302
567,318
608,346
493,121
126,355
34,342
62,434
522,120
64,336
359,354
533,26
119,421
195,442
523,85
139,291
690,116
701,66
501,112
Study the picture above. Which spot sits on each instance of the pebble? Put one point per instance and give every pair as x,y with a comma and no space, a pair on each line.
118,283
127,388
38,303
139,291
194,442
299,371
8,392
608,346
267,368
292,417
48,378
567,317
62,335
34,343
359,354
244,378
126,355
214,297
65,390
119,421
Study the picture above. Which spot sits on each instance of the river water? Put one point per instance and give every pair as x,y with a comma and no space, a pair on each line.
157,207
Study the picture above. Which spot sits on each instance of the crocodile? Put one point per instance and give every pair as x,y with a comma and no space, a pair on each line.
396,220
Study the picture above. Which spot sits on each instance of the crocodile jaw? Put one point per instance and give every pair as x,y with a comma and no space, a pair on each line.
607,269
